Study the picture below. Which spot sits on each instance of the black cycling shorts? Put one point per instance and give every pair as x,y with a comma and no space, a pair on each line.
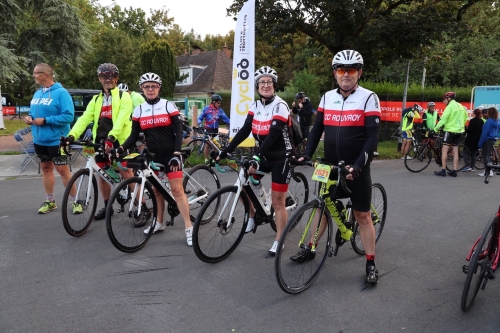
165,160
50,154
280,174
361,187
452,139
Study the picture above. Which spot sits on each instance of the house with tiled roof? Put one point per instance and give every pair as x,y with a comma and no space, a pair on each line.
207,73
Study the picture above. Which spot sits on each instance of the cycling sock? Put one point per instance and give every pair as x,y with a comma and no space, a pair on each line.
50,196
72,198
370,260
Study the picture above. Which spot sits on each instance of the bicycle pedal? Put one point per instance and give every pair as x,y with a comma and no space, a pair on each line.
465,269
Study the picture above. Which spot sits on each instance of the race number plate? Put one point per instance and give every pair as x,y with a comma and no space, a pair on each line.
131,156
321,173
88,151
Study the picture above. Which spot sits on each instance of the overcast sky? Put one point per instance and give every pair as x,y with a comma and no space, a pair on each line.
205,17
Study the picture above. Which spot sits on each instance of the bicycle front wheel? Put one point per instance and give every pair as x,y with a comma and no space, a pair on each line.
298,192
218,228
480,264
200,182
378,214
77,213
126,228
418,157
296,272
197,156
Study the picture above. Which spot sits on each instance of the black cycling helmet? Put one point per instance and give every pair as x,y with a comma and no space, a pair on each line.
300,95
216,98
108,69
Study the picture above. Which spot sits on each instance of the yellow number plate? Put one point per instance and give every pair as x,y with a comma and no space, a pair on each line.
321,173
131,156
88,151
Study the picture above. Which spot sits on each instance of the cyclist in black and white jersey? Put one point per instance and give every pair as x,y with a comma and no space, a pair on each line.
267,120
350,117
160,122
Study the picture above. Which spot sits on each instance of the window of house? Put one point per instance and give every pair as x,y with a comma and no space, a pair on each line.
188,79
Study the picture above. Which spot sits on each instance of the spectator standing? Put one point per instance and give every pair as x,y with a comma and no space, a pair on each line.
51,112
303,108
473,131
489,136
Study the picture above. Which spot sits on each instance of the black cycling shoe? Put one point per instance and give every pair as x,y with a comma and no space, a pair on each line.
371,276
440,173
101,214
453,173
303,255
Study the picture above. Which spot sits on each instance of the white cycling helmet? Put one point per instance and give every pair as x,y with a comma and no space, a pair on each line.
349,58
418,108
431,104
265,71
149,77
123,87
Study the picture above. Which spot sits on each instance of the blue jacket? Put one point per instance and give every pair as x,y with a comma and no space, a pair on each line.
56,106
490,129
212,115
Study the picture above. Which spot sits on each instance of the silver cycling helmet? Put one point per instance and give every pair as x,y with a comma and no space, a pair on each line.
349,58
149,77
266,71
123,87
431,104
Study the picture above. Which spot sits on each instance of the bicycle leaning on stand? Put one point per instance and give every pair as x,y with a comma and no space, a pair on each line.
305,227
483,255
222,220
138,210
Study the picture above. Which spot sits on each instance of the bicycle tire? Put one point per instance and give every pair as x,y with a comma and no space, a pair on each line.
294,277
124,232
418,157
461,159
298,191
488,247
379,204
479,165
77,224
197,152
213,241
209,182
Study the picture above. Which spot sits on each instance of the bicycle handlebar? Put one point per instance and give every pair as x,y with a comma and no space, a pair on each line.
342,172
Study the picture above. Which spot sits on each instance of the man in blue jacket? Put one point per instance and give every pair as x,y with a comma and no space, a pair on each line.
51,113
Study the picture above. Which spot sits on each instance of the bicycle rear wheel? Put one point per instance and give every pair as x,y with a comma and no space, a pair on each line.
479,165
126,227
296,276
197,156
217,232
201,181
418,157
378,214
76,223
480,264
461,159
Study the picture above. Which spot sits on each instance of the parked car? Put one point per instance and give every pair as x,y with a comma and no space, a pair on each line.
81,98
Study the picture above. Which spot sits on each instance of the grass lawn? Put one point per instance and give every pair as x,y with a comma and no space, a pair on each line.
12,125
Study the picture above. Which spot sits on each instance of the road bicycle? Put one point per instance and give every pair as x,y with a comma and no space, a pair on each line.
198,143
419,156
77,222
222,220
138,211
483,256
313,220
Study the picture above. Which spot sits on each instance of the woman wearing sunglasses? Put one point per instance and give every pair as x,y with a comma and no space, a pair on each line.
159,120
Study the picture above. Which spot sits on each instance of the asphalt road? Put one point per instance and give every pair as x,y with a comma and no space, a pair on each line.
51,282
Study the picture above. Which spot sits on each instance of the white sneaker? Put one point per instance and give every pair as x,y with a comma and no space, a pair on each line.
482,173
189,236
273,249
250,225
158,227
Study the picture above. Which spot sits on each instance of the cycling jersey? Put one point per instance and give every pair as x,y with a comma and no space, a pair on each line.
211,114
430,119
351,127
268,123
161,125
408,118
453,118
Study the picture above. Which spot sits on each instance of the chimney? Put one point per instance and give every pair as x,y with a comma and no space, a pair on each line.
227,52
196,51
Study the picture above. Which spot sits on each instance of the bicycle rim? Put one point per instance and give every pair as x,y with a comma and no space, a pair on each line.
218,229
378,214
126,227
294,277
86,196
418,158
480,263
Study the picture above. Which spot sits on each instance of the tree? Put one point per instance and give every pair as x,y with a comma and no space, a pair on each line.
157,57
379,29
